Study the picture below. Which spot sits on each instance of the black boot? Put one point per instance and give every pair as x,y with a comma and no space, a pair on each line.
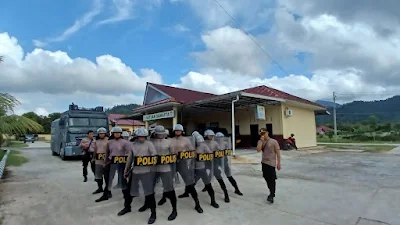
234,184
223,187
204,189
185,194
211,192
172,197
127,203
99,187
84,178
163,200
104,197
193,192
270,199
145,205
152,205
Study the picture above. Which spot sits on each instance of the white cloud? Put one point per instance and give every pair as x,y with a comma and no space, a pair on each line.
85,20
48,77
122,11
39,44
181,28
231,49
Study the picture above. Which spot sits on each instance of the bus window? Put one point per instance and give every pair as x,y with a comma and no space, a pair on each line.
78,122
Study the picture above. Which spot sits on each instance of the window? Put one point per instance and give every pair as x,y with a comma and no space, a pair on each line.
214,124
78,122
98,122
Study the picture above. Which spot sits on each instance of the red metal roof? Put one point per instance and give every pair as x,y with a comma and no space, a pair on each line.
115,117
271,92
182,95
154,103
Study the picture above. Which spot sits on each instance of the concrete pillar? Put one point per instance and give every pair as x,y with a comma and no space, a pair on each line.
146,123
175,118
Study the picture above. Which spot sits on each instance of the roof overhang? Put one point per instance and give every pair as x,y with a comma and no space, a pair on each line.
224,102
305,105
322,112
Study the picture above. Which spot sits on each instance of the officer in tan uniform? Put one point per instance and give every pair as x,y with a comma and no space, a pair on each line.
271,160
87,145
100,149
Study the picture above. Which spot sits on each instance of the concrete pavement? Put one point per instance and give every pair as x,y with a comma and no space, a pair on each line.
313,189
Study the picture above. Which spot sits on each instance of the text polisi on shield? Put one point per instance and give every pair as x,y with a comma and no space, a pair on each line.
119,159
101,156
205,157
187,155
145,160
167,159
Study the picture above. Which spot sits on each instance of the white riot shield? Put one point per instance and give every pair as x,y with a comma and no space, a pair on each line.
227,161
185,165
166,166
116,172
143,176
204,163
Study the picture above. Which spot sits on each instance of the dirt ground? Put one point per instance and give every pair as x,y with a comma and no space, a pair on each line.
336,188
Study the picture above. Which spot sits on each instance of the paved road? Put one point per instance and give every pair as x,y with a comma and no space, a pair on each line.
359,144
318,189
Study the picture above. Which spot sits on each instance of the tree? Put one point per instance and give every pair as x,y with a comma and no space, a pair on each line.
372,122
1,58
13,124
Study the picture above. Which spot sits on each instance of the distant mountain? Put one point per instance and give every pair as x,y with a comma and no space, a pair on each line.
385,111
328,104
122,109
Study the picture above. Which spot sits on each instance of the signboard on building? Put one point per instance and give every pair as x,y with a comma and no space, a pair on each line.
260,112
160,115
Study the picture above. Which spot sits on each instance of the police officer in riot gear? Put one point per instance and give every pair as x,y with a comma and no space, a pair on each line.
140,166
201,173
125,135
165,168
185,164
115,160
166,133
220,139
100,149
213,145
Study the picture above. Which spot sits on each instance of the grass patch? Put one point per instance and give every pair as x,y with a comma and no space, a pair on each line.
15,158
17,144
340,139
365,148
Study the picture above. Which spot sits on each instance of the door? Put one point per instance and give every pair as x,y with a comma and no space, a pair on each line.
254,133
269,129
201,127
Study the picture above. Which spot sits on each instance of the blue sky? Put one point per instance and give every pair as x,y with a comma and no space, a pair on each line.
186,43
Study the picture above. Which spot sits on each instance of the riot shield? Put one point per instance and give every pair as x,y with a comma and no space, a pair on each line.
226,165
204,163
185,165
166,166
99,166
143,175
116,172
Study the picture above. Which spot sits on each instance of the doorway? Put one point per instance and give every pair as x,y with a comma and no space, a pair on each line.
269,129
254,133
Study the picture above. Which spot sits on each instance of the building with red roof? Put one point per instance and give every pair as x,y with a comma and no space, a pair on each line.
254,108
126,124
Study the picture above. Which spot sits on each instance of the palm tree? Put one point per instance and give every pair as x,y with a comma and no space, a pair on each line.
11,124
